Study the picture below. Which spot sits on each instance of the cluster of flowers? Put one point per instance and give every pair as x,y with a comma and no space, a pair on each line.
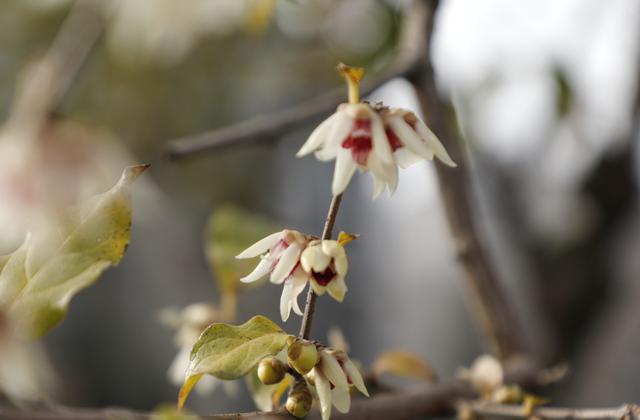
330,373
295,259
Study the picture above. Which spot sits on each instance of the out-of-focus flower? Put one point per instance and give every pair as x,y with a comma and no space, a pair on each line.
163,32
327,265
373,138
189,324
332,377
295,259
485,375
25,372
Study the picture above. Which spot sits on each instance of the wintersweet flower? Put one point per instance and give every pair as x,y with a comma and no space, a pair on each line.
372,138
280,258
355,137
326,263
332,377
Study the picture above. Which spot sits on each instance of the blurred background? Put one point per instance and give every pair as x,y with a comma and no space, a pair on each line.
547,93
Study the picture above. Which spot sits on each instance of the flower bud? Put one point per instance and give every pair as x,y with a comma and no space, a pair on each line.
271,371
303,356
299,400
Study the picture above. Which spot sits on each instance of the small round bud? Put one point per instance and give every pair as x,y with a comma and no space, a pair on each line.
271,371
303,356
299,400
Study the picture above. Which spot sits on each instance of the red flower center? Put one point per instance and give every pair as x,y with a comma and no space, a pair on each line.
324,277
359,140
394,141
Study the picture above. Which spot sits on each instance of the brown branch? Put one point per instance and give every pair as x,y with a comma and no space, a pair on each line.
307,319
497,319
500,411
266,127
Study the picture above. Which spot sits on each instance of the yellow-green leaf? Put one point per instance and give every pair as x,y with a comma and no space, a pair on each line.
39,279
405,365
230,230
230,352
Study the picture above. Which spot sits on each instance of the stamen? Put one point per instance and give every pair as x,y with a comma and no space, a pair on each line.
352,75
325,277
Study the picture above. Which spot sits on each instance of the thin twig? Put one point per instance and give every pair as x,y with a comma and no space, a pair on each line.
408,60
497,319
307,319
50,79
501,411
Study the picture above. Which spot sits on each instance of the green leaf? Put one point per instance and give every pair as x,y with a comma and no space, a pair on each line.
39,279
231,352
230,230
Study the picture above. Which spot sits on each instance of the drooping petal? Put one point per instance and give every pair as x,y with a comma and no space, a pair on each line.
317,137
323,388
285,300
341,263
260,247
260,271
344,170
317,288
380,142
409,137
313,258
341,400
337,288
392,183
339,130
406,157
333,371
286,263
378,187
326,154
299,280
434,144
354,375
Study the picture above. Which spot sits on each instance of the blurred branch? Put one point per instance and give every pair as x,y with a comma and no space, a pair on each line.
50,78
496,316
270,126
500,411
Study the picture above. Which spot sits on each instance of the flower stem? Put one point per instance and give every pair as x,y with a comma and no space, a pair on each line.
307,319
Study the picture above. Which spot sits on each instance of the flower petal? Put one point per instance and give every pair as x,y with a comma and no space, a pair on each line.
326,154
333,371
341,400
285,300
313,259
344,170
319,290
406,157
354,375
299,283
380,142
317,137
323,388
342,264
286,263
337,288
378,186
260,271
340,129
409,137
260,247
432,141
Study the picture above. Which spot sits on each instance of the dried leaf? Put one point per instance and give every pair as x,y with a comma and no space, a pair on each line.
405,365
39,279
230,352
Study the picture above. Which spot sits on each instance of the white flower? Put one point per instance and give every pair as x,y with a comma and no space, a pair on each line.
353,136
326,263
372,138
332,377
280,256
